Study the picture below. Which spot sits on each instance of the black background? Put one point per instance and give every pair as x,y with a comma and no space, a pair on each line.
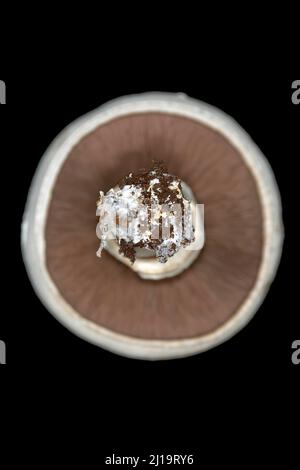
41,101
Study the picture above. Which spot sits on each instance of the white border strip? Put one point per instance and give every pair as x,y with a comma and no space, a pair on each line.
35,215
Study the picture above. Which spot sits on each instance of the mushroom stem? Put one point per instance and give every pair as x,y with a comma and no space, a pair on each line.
147,266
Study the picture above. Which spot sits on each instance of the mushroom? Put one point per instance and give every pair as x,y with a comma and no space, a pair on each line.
110,305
